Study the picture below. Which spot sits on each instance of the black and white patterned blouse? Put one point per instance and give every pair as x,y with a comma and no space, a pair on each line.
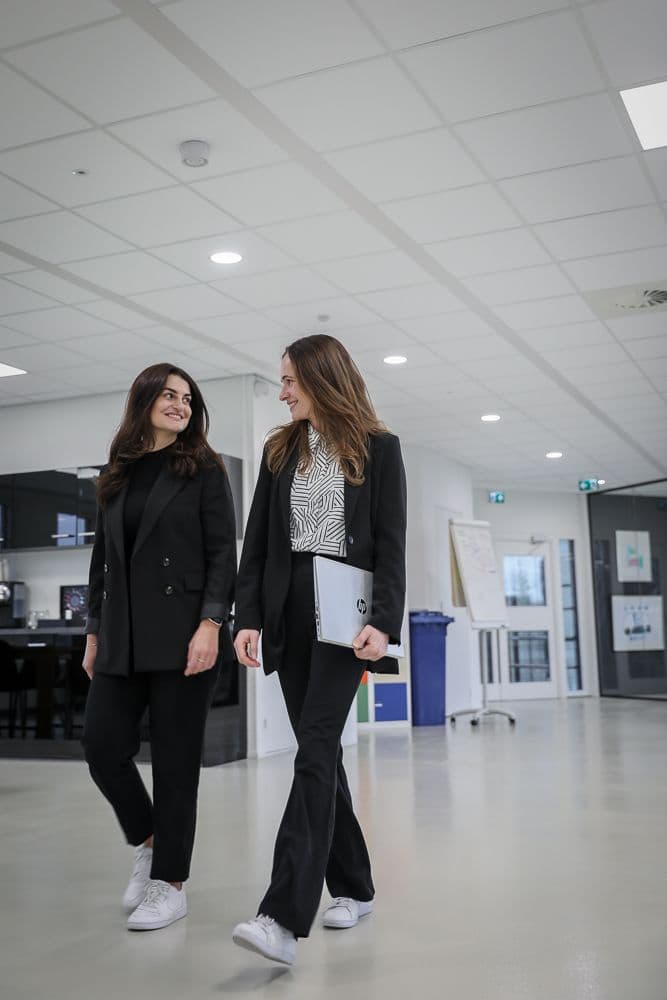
317,503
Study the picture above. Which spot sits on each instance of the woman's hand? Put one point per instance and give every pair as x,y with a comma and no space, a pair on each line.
370,644
89,655
203,648
245,645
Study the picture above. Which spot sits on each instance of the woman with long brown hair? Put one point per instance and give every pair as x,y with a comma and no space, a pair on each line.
162,577
331,483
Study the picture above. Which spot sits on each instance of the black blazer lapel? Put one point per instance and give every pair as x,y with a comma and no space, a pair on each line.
164,489
351,497
114,517
285,488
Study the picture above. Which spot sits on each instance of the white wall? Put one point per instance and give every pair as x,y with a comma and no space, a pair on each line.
552,516
438,489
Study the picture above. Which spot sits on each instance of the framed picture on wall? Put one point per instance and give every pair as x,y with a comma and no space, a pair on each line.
637,623
633,557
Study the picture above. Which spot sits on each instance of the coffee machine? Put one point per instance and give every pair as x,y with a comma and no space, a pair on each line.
12,604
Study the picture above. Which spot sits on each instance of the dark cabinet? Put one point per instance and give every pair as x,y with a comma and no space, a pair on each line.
54,508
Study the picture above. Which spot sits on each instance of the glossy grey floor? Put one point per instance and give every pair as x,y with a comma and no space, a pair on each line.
509,864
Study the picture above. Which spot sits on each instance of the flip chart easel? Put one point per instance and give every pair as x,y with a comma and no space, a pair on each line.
477,585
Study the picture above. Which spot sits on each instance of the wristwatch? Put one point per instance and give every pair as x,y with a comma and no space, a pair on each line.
216,621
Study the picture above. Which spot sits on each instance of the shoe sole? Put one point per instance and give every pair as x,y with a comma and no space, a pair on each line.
339,925
157,926
243,942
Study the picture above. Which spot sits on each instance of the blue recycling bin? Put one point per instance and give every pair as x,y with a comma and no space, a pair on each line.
428,644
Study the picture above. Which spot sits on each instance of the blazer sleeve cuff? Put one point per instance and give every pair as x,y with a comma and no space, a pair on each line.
92,626
214,609
394,634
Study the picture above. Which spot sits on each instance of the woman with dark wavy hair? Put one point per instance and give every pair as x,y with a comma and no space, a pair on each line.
331,483
162,577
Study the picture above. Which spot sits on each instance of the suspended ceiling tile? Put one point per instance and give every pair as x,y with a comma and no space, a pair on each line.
490,252
60,323
606,232
420,163
193,256
549,136
189,302
235,143
28,114
326,237
463,212
54,286
349,105
619,269
580,190
111,170
259,41
422,21
129,273
523,63
83,69
270,194
372,272
161,217
59,237
630,41
277,288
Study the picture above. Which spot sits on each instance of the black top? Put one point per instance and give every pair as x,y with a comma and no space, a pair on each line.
142,479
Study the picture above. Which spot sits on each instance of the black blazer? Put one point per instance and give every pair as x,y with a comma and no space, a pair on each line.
375,523
182,569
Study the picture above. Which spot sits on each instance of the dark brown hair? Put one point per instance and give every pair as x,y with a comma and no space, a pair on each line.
343,410
135,436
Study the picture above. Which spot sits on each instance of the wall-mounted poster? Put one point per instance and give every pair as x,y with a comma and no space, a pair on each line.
637,623
633,557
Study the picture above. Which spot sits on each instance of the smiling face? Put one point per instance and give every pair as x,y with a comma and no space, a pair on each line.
299,402
171,411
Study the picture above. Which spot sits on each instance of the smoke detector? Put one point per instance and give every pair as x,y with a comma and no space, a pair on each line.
628,300
194,152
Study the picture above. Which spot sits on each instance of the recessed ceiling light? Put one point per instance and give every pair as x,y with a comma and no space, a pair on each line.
80,173
226,257
554,454
395,359
7,370
647,107
491,418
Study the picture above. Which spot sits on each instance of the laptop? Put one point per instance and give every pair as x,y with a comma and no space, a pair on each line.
343,598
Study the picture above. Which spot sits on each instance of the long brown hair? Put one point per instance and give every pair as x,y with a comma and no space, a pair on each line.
342,408
135,436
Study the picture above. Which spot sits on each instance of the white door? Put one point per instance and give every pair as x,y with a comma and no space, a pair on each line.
530,662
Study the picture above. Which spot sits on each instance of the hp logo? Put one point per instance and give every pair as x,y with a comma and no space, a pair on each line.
361,606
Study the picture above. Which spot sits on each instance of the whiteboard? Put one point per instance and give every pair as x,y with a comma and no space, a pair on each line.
476,579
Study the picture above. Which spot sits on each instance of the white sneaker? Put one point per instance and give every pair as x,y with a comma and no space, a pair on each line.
161,906
139,879
345,912
270,939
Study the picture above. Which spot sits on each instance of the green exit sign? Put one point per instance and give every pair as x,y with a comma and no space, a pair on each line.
496,496
588,485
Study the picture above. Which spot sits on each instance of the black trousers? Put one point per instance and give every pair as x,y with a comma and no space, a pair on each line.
177,707
319,837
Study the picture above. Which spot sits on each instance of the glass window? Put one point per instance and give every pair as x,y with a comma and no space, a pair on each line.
570,615
528,656
524,581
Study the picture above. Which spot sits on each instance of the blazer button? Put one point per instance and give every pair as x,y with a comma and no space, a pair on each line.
350,539
106,567
169,590
166,561
104,595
